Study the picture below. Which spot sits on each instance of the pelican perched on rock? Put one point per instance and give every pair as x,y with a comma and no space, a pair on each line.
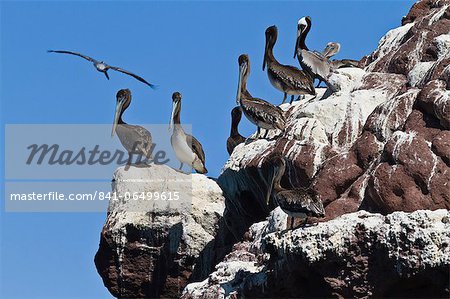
330,50
135,139
187,149
297,203
318,65
103,67
286,78
259,112
235,138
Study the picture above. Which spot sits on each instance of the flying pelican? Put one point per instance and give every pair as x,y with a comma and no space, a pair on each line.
187,149
135,139
318,65
286,78
297,203
103,67
235,138
259,112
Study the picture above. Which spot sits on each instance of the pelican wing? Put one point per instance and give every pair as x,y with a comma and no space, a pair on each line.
133,75
301,201
331,49
294,78
135,139
260,111
73,53
336,64
143,134
196,147
317,63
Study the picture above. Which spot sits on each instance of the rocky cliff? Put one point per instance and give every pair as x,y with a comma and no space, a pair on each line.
381,143
375,152
357,255
147,249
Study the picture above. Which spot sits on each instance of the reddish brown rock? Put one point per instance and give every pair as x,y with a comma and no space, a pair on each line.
441,146
391,116
423,124
435,100
393,84
367,149
425,21
391,189
337,175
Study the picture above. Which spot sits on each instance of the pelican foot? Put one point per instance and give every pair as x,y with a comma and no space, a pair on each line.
180,171
250,140
142,165
292,99
284,98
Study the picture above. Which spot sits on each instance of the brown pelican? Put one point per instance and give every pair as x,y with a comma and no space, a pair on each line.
332,49
135,139
103,67
297,203
259,112
235,138
318,65
285,78
187,149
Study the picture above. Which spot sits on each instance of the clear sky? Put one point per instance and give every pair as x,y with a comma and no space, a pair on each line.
180,46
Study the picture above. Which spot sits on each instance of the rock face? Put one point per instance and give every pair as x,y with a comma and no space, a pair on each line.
380,143
149,250
376,152
357,255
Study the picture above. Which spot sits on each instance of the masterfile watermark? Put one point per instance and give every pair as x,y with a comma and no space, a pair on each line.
81,168
54,155
82,151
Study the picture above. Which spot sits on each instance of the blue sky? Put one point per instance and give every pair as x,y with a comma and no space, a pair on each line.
180,46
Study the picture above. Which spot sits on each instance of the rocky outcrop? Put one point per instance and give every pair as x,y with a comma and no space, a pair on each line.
376,152
148,248
378,144
357,255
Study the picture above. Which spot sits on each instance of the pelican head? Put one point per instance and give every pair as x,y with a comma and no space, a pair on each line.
271,38
244,70
278,164
331,49
123,100
302,25
176,106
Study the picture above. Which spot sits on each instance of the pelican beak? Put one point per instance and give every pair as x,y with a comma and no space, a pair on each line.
269,190
242,68
119,105
265,55
174,107
297,41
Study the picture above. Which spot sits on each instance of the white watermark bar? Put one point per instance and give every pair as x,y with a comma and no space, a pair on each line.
82,168
168,195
